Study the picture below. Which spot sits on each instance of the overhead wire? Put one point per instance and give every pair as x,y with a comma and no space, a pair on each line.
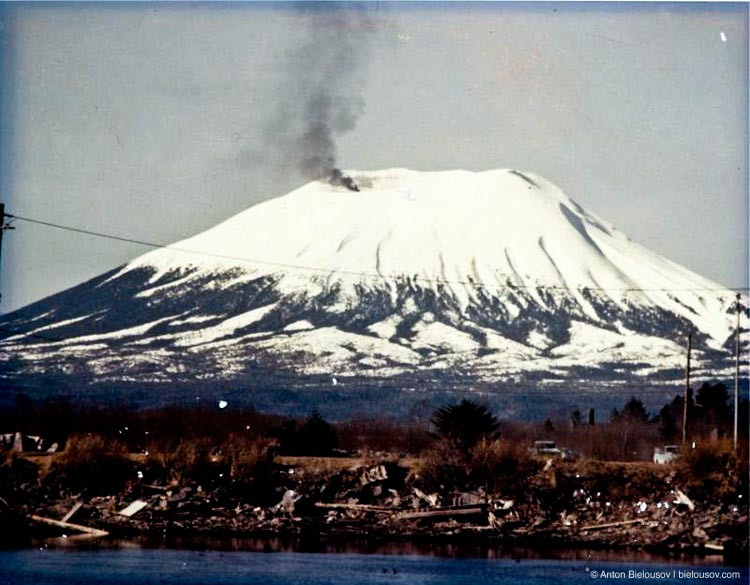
350,380
366,275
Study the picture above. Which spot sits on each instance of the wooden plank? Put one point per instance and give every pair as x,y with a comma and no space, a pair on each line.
70,526
73,510
363,507
443,513
611,525
133,508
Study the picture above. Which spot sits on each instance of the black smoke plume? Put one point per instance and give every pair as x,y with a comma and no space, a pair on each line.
319,97
337,177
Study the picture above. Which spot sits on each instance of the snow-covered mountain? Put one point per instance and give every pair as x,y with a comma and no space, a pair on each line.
443,282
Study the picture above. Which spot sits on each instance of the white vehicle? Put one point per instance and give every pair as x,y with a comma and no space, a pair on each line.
667,454
550,449
546,448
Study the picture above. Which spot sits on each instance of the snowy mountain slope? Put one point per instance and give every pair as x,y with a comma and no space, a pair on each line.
486,278
452,229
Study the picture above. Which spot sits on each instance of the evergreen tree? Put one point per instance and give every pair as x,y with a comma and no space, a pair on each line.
464,424
634,411
317,437
712,405
670,417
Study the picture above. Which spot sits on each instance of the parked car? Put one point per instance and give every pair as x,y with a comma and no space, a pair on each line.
545,448
550,449
666,454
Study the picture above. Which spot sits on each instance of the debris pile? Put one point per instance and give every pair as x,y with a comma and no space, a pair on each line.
569,503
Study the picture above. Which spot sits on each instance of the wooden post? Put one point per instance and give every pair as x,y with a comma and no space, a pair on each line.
3,227
737,372
687,392
2,224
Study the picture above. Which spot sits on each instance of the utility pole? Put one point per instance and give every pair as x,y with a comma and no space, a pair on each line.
737,371
3,226
687,392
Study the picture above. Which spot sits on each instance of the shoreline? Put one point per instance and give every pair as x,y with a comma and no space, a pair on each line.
342,542
632,508
313,537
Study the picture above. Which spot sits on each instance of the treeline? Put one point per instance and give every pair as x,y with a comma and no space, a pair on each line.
56,420
462,447
631,432
628,433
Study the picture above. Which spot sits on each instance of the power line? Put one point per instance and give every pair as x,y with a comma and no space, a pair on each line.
372,275
432,379
350,380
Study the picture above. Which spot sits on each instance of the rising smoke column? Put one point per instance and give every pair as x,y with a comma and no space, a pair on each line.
319,96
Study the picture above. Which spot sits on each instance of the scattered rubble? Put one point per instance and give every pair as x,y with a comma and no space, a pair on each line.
88,531
72,512
133,508
567,503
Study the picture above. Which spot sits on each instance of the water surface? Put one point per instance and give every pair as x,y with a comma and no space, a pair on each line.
140,566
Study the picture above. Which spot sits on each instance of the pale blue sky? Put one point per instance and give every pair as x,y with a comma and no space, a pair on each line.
150,121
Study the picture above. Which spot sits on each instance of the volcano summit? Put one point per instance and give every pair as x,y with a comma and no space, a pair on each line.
416,287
